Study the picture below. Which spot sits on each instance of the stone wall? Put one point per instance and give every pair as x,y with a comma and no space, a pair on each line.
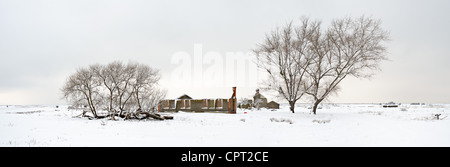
194,105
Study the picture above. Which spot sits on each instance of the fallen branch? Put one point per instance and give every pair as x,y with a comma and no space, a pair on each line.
152,115
139,115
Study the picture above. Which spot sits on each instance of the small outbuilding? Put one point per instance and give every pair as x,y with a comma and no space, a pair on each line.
273,105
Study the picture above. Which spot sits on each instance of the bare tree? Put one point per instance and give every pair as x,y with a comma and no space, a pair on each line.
146,78
307,60
109,76
125,90
285,57
115,87
151,98
82,89
349,47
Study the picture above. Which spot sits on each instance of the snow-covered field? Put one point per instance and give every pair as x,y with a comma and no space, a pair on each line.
334,125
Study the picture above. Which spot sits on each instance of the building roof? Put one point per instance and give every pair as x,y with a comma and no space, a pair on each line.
185,96
272,102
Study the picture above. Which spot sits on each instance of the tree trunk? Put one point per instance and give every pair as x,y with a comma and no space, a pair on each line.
292,104
91,106
316,104
137,99
113,113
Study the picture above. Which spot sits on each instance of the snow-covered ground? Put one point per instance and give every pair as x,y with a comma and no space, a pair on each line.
334,125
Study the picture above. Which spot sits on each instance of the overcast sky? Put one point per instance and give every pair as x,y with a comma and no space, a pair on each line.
43,42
